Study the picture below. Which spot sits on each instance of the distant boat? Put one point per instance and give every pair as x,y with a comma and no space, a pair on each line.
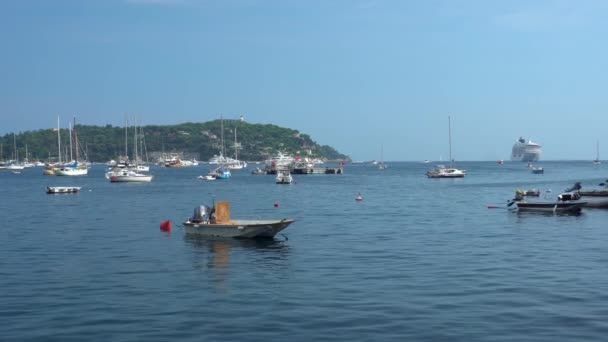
62,189
537,169
381,165
447,172
283,177
597,153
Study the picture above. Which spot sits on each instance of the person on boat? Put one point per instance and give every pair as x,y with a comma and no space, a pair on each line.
519,196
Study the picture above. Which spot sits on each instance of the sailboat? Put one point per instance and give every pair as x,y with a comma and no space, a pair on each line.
381,165
235,163
126,172
222,172
14,165
447,172
597,153
77,167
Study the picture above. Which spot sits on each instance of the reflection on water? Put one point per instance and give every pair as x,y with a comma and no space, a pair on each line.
213,254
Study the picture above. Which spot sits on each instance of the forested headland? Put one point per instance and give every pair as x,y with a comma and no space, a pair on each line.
102,143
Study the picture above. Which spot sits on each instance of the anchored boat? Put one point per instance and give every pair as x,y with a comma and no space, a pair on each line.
568,202
62,189
216,222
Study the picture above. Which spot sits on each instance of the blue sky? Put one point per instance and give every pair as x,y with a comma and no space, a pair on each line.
354,74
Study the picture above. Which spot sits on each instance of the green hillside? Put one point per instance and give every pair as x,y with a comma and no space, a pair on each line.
102,143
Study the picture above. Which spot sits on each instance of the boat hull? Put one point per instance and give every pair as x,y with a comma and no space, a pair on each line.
134,179
594,193
62,189
551,207
71,172
244,229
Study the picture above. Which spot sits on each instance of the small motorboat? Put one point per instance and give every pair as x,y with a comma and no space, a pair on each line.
216,222
594,193
207,177
568,202
359,197
62,189
258,171
283,177
120,176
538,170
532,192
445,172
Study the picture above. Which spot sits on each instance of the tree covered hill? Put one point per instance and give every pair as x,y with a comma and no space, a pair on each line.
102,143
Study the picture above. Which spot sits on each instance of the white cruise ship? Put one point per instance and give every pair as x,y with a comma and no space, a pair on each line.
525,151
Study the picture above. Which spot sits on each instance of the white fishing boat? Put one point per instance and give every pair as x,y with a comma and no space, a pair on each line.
283,177
207,177
62,189
441,171
118,176
216,222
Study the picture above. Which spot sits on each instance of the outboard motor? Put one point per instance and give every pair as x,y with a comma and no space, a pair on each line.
201,214
569,196
577,186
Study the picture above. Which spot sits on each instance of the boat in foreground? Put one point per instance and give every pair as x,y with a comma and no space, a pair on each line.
62,189
216,222
568,202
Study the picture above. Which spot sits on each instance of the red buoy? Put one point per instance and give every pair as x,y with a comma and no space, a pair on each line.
165,226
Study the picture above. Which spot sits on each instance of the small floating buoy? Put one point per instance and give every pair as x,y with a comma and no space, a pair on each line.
276,204
165,226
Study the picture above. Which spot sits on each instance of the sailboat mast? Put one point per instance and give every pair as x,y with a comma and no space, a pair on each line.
70,130
135,139
236,149
58,140
76,147
450,137
222,134
15,156
126,138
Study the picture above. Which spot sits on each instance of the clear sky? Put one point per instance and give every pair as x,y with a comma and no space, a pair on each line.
353,74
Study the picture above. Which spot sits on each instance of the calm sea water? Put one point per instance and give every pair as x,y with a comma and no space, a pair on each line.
418,259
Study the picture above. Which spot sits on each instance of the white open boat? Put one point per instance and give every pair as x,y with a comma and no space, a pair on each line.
62,189
118,176
445,172
283,177
216,222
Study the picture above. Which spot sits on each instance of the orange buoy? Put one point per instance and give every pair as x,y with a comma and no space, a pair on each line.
165,226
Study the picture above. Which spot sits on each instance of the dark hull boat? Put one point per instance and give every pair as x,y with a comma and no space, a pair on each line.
216,222
595,193
551,207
